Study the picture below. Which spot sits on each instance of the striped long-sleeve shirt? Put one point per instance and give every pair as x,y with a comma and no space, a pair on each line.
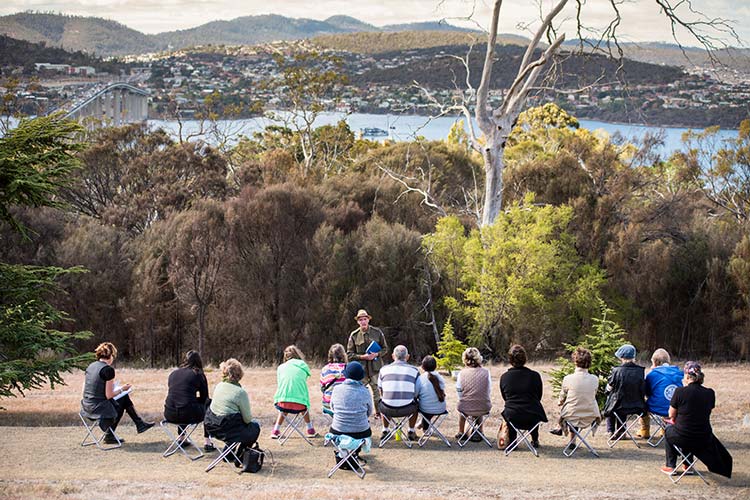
398,383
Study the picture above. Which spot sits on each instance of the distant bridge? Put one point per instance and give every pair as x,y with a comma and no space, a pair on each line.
116,104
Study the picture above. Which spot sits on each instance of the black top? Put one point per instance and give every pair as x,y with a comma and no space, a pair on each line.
693,404
628,393
522,391
186,387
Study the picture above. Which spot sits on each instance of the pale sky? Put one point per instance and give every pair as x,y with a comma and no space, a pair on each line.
641,18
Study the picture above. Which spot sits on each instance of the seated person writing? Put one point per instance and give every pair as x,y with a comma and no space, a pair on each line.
99,393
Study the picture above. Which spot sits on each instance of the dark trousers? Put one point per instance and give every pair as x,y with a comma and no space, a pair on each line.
673,438
191,414
356,435
122,405
512,434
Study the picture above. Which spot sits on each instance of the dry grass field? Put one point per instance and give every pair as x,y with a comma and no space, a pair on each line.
41,456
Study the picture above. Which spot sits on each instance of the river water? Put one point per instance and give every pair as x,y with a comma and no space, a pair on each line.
407,127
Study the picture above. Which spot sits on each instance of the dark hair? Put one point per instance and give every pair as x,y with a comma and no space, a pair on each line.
193,361
429,365
517,356
581,357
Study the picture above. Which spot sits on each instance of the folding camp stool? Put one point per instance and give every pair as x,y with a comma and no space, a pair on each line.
657,437
622,429
180,439
433,429
475,423
228,454
687,462
92,429
395,425
292,424
349,456
522,436
568,451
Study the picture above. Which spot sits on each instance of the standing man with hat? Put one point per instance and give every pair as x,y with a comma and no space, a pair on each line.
357,350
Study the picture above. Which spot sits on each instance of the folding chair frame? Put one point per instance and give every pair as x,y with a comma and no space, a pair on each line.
179,441
358,468
395,425
522,436
229,449
659,421
622,429
474,423
292,424
433,429
689,466
581,439
91,434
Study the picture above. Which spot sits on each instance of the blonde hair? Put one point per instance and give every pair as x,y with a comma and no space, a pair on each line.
472,357
337,354
292,352
231,370
106,350
660,356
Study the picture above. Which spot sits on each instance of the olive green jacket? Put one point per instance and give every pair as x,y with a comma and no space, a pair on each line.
358,344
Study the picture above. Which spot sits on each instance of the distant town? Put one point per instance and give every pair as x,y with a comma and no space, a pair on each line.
237,78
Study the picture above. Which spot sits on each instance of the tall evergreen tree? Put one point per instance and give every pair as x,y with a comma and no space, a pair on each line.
36,160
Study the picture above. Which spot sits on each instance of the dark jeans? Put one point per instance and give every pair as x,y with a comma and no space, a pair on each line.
356,435
398,411
612,421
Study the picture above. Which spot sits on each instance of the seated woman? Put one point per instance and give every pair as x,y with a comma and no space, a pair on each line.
626,388
578,396
431,395
521,389
474,389
187,395
99,391
332,374
291,389
351,403
228,417
690,414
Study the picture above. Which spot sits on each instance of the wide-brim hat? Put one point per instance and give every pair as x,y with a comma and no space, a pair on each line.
362,313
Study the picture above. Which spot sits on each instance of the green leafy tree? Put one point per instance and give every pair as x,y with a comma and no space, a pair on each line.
450,349
36,160
605,337
521,279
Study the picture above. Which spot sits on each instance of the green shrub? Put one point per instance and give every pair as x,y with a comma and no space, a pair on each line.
604,339
450,349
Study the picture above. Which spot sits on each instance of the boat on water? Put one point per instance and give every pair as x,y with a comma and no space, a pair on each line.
374,132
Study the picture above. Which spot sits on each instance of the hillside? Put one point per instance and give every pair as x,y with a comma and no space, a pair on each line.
437,70
20,52
90,34
377,43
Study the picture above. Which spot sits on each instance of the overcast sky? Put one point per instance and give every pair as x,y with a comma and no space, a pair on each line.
641,19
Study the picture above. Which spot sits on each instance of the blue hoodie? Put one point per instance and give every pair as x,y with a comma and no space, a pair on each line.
660,385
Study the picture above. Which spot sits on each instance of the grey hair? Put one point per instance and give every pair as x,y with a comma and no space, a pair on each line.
660,356
400,352
472,357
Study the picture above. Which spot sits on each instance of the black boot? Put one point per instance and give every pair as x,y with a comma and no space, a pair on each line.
109,438
140,424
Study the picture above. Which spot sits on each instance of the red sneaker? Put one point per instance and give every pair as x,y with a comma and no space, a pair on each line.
667,470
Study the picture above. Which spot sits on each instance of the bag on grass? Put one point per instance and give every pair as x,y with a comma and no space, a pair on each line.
252,459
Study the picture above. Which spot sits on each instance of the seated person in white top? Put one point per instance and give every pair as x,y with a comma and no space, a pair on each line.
398,384
431,391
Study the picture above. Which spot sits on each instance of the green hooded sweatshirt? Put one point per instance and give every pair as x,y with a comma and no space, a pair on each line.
291,383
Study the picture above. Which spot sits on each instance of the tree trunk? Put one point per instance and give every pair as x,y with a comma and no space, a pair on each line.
494,163
201,327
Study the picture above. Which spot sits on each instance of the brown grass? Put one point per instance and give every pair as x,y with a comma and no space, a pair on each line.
45,422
